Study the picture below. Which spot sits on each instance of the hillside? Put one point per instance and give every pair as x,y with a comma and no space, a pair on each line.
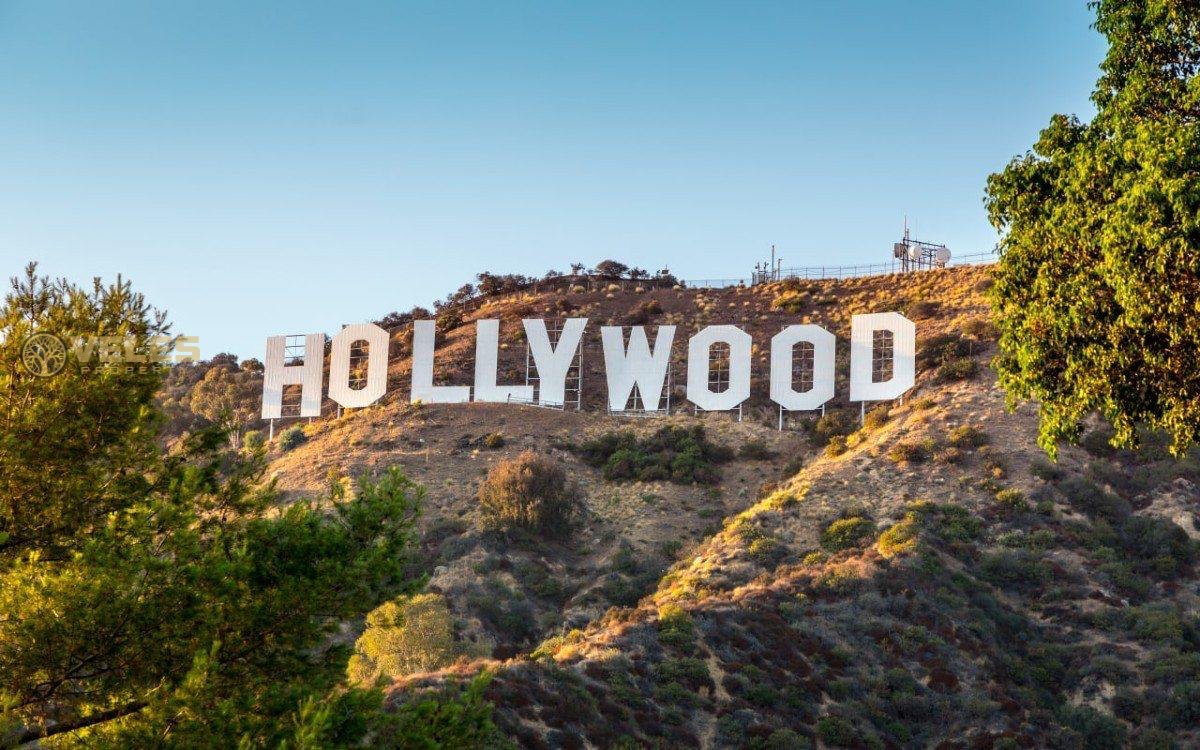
926,580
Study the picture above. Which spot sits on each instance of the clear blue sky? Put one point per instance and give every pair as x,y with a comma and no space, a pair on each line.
286,167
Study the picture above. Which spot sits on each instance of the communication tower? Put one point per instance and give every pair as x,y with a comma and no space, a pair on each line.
915,255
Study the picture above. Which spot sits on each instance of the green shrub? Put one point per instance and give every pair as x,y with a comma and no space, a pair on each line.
966,436
1013,569
531,493
1155,623
953,523
643,313
1096,730
780,739
1094,500
493,440
675,627
1158,540
756,450
449,319
913,452
900,537
845,533
792,301
877,417
836,731
1043,469
963,368
506,611
676,454
292,437
941,349
253,440
767,551
1012,500
833,423
406,635
1183,707
836,446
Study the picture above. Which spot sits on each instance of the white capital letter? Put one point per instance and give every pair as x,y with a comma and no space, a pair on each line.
553,362
308,376
783,353
487,353
637,365
339,365
862,352
423,388
698,390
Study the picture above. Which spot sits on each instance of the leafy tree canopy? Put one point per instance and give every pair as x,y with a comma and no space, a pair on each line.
150,599
1098,286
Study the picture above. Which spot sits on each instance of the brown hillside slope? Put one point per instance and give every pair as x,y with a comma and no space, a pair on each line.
938,584
509,594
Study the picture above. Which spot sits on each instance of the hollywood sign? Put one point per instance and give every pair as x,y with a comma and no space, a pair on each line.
628,362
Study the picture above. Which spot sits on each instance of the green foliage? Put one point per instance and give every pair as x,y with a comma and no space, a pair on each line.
845,533
676,454
836,446
961,368
1011,500
832,424
1093,728
437,721
253,440
792,301
836,731
150,599
756,450
61,436
966,436
1097,281
943,348
229,397
899,538
675,628
530,493
448,319
911,451
405,635
767,551
877,417
292,437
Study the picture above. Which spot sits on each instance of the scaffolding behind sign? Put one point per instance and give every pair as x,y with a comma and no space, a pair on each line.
573,389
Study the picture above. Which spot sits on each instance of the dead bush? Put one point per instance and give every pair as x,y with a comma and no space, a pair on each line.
529,493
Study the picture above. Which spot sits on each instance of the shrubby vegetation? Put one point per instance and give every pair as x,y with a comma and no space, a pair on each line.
529,493
676,454
1097,278
407,634
154,599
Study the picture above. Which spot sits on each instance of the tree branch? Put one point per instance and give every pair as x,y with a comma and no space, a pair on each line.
31,734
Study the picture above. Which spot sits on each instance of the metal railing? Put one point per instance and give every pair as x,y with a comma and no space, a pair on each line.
838,272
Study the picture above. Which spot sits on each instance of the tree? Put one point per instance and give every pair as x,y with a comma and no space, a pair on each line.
1099,275
228,397
611,268
157,599
405,635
